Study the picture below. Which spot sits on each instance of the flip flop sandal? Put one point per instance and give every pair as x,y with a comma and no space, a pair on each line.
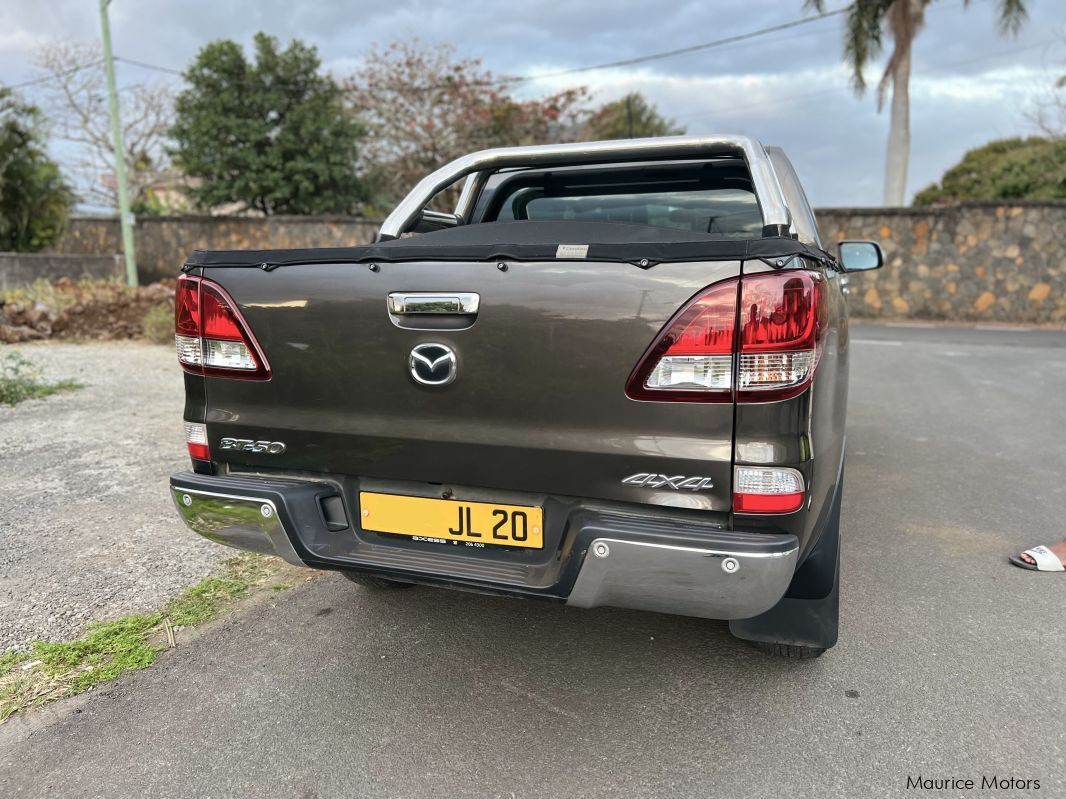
1046,560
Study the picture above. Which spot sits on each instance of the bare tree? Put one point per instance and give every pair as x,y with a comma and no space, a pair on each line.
1049,112
74,100
425,105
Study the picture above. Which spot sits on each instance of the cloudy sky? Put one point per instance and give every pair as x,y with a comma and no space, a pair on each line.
790,88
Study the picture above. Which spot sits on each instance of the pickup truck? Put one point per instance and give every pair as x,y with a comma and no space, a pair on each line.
613,374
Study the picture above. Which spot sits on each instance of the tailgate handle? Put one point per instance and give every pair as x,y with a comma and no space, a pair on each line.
405,302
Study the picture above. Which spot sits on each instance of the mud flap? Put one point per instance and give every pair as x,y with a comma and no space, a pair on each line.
809,613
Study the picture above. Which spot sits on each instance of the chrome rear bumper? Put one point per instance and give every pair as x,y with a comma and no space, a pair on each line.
243,522
639,562
689,581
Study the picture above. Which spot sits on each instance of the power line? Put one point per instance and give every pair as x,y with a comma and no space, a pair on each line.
627,62
63,74
144,65
741,37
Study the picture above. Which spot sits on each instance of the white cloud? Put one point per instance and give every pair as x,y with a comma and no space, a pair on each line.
789,88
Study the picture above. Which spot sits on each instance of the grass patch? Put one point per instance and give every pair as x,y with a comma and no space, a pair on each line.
21,380
110,649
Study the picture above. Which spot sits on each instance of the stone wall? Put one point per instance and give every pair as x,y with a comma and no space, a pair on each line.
162,243
971,262
19,269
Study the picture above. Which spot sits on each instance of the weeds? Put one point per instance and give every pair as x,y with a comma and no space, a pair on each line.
110,649
21,380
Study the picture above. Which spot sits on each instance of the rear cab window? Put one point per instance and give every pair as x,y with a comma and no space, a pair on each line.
715,197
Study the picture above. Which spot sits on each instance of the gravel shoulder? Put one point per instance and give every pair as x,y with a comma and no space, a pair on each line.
87,528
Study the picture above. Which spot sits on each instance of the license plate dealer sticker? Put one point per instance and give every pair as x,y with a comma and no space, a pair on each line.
451,520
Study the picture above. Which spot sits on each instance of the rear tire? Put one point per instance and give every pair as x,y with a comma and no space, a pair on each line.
376,583
790,651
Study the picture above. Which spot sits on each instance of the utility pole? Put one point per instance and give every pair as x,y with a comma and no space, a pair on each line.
629,114
125,215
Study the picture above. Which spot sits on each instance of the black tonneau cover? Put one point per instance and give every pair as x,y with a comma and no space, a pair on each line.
557,240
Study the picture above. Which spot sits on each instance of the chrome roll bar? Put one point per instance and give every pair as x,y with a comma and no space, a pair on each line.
475,167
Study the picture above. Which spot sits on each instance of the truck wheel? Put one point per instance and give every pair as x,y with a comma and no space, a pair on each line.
790,651
376,583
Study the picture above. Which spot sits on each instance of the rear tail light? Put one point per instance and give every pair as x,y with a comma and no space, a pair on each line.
782,318
761,489
752,339
196,439
692,357
211,336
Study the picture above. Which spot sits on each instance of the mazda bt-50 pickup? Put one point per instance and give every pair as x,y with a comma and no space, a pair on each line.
612,373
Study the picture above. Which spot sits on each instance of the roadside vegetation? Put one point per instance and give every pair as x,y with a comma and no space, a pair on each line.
60,295
1006,169
48,671
21,380
159,324
85,309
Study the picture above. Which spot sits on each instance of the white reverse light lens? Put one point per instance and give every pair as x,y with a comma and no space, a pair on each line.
766,481
195,433
692,373
762,371
189,350
227,354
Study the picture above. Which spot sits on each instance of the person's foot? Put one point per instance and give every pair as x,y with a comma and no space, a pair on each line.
1058,550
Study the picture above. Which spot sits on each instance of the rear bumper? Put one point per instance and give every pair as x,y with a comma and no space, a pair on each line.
645,562
715,581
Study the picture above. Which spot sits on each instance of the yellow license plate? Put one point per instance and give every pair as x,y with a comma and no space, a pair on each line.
452,520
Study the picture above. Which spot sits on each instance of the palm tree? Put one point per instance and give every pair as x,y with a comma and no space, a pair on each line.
867,22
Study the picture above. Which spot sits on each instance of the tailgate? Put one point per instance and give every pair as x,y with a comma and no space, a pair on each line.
537,403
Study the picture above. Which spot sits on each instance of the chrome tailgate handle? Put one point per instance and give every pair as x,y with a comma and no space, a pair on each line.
412,302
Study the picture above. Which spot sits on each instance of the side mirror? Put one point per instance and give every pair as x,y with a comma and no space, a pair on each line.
860,256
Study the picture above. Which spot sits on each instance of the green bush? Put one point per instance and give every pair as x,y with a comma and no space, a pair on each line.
159,324
1007,169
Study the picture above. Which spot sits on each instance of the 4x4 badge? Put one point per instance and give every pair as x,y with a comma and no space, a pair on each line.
676,482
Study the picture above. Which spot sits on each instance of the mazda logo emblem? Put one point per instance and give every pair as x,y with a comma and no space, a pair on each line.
432,364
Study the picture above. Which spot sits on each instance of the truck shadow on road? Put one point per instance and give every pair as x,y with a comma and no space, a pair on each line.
480,660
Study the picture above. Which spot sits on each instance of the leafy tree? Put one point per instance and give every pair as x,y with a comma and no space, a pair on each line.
34,197
867,23
1008,169
425,106
272,136
630,117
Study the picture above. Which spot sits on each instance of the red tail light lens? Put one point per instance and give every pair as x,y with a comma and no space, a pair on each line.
220,320
778,311
187,307
691,360
773,331
783,317
212,337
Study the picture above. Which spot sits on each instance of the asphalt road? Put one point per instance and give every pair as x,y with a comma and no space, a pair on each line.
950,663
